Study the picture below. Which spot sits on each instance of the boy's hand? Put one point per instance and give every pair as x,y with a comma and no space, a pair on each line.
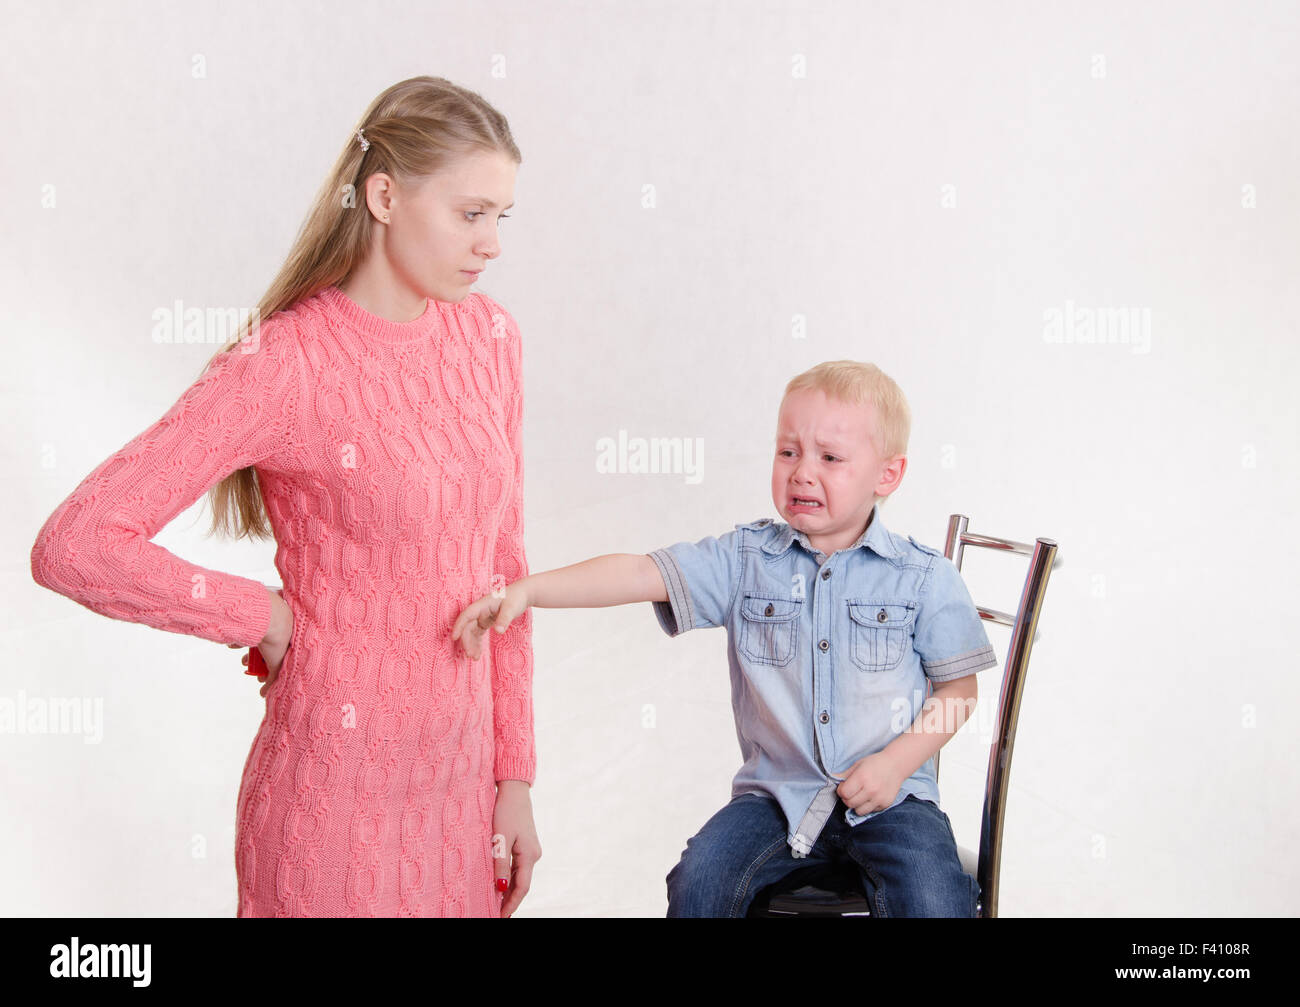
871,784
497,609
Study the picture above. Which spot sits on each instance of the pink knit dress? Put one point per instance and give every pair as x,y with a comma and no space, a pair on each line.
390,461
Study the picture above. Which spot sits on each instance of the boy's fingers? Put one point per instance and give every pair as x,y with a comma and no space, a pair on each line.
462,621
504,617
470,640
468,614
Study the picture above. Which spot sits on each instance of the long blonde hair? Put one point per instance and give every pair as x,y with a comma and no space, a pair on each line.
415,128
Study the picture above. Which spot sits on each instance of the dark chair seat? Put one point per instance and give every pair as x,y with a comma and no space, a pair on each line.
819,890
826,890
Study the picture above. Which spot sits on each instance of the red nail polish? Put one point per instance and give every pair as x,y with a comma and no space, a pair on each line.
256,666
502,885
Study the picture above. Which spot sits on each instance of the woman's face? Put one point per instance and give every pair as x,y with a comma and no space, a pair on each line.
447,224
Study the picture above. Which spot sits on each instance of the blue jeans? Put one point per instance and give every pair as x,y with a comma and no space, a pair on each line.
907,857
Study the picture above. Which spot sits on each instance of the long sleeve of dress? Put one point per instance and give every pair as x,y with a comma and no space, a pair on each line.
95,548
512,651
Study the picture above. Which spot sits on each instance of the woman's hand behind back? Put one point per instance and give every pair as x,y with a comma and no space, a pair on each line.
275,645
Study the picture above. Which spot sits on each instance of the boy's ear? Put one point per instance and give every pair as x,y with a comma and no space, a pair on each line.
891,476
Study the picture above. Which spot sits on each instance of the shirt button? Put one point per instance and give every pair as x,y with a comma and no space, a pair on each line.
769,610
824,645
881,616
825,574
826,717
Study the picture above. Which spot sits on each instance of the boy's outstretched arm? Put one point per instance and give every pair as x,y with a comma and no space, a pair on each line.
613,579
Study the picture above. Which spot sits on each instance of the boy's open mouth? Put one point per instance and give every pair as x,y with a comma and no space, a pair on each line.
802,502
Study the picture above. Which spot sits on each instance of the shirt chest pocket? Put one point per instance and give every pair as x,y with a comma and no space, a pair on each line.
769,629
879,633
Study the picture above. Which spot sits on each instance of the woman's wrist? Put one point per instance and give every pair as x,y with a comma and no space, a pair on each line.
281,628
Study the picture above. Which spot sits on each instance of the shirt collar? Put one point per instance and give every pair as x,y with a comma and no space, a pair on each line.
876,538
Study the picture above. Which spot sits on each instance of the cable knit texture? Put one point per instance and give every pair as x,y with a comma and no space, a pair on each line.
390,460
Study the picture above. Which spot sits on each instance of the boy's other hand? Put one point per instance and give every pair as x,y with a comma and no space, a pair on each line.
498,609
871,784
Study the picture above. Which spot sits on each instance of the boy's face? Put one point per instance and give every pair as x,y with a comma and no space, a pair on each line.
826,454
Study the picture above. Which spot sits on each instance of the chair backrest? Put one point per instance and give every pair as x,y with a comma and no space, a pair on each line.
1043,559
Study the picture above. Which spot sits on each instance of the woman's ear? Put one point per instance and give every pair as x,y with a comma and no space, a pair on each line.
380,192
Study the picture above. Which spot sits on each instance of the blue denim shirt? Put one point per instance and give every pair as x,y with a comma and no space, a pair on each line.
829,655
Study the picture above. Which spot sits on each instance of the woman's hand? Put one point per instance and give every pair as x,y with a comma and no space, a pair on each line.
514,837
276,642
496,609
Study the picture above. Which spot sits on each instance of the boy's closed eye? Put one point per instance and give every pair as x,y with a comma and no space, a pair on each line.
833,458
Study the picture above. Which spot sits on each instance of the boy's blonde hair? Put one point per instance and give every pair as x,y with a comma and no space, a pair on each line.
858,383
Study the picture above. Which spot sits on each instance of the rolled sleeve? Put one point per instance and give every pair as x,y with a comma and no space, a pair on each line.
701,579
949,635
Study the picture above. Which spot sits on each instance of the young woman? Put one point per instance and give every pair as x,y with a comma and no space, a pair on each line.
372,423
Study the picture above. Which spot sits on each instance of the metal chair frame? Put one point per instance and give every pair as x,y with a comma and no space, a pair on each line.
829,891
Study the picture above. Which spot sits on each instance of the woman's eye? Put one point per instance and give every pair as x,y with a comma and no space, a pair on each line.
831,457
471,214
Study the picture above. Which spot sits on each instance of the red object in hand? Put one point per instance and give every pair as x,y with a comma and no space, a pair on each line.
256,666
502,885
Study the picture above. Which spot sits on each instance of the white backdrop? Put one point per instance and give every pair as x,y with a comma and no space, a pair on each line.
714,197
